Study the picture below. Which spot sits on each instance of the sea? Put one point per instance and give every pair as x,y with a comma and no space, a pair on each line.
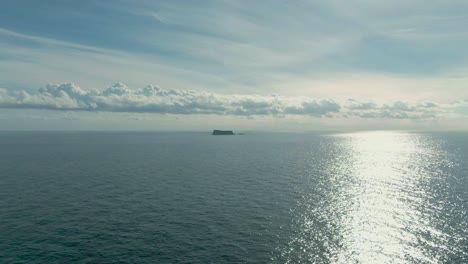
179,197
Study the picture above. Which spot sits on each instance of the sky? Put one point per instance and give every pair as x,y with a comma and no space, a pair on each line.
242,65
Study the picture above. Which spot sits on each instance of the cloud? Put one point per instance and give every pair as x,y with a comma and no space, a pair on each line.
357,105
395,110
153,99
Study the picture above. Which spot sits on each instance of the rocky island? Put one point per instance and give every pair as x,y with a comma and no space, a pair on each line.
222,132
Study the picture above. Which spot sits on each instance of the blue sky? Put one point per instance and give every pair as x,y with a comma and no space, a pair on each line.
270,57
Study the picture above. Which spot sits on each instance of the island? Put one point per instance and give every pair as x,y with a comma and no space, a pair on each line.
222,132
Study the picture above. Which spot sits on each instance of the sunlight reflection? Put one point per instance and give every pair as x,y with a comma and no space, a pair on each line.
377,197
382,199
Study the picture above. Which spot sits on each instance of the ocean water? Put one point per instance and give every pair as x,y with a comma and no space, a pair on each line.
367,197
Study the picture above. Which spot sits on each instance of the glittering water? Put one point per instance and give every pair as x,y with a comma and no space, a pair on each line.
369,197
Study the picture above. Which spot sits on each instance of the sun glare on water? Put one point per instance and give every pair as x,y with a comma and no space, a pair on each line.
384,221
380,205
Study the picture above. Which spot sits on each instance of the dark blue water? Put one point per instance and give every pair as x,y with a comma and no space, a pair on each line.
369,197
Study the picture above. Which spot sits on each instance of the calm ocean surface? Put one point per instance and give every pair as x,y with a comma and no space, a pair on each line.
369,197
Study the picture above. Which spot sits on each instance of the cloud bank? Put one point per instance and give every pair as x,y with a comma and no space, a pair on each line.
153,99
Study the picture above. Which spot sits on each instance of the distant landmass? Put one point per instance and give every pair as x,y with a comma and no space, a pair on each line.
222,132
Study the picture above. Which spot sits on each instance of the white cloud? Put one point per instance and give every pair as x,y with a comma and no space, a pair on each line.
395,110
153,99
